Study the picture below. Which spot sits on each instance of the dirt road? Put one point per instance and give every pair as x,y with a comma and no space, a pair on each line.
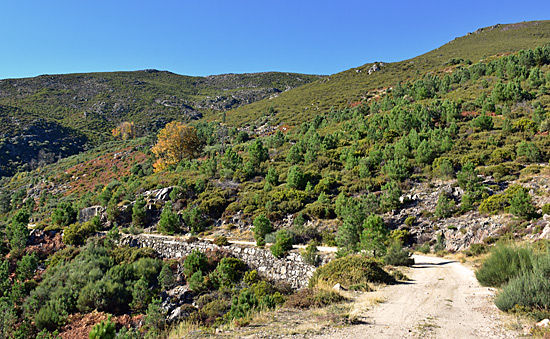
442,300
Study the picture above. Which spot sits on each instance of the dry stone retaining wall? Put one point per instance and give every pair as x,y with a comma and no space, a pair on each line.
291,269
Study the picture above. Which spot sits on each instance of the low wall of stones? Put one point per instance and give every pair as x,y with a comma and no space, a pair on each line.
291,269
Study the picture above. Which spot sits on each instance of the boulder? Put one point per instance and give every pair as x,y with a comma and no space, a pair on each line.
86,214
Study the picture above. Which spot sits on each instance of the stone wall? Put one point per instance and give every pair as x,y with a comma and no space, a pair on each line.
291,269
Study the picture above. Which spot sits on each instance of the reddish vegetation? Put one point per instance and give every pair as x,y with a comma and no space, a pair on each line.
45,243
355,104
102,170
469,114
285,128
79,325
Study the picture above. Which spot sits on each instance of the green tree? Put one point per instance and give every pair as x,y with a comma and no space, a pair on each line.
141,296
348,236
375,235
231,159
272,177
295,177
65,214
528,150
294,155
283,243
5,202
390,196
8,318
166,278
196,261
445,206
139,214
257,152
18,236
169,222
155,319
4,277
262,226
520,203
26,266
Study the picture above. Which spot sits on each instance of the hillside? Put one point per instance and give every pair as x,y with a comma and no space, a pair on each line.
452,160
356,84
91,105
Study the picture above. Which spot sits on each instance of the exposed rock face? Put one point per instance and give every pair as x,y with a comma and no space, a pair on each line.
291,269
86,214
459,232
159,194
173,300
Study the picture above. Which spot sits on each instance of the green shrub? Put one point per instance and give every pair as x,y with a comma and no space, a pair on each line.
104,330
228,272
283,243
310,254
194,262
77,233
221,241
546,209
477,249
530,289
398,256
242,306
350,270
411,219
52,316
494,204
504,263
424,248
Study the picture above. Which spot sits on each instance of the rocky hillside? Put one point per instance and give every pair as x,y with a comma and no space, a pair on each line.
82,109
443,153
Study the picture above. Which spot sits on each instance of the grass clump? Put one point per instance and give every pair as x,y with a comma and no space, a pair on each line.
530,290
313,297
350,270
504,263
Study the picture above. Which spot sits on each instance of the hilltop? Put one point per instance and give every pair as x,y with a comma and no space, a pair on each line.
358,84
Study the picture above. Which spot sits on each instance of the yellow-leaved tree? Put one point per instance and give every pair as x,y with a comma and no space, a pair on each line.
126,130
176,141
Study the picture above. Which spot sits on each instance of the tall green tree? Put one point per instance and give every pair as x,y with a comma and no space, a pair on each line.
374,235
169,222
262,226
139,214
257,152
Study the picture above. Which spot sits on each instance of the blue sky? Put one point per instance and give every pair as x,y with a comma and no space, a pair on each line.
214,37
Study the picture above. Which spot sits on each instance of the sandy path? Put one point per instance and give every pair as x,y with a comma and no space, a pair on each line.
442,300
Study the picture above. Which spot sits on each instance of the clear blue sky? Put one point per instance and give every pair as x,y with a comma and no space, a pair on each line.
214,37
